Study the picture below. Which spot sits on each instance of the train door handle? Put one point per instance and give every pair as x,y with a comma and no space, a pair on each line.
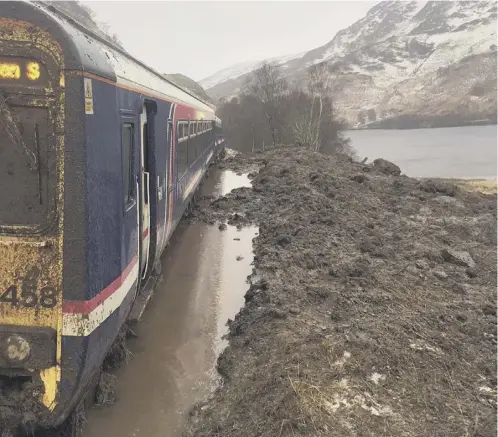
146,187
160,189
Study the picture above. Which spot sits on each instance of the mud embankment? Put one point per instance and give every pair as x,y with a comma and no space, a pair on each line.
372,308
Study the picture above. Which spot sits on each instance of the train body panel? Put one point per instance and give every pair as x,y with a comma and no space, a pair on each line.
125,151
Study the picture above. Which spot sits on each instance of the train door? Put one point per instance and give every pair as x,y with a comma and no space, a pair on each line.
145,192
168,186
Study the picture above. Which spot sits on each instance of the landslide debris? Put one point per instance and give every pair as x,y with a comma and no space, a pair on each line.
372,306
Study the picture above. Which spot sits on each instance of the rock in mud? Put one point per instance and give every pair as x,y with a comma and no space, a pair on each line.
458,257
360,178
277,313
440,274
422,264
436,186
471,272
489,310
386,167
284,240
448,200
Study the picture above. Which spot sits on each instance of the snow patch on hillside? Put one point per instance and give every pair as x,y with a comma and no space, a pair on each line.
386,62
244,68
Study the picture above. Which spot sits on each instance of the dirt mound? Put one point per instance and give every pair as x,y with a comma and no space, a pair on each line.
357,322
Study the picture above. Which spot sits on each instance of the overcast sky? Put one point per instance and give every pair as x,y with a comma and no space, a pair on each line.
199,38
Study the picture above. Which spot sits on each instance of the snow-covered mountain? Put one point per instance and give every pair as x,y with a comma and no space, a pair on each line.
404,64
243,68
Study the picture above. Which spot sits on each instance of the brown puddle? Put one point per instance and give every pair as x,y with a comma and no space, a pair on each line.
180,335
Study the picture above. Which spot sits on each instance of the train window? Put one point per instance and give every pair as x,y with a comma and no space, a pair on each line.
191,150
127,156
28,165
192,133
182,131
183,150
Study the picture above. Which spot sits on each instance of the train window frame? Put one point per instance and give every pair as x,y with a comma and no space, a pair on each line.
127,165
182,135
182,150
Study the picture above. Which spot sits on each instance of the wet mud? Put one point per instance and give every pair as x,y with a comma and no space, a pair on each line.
372,305
174,349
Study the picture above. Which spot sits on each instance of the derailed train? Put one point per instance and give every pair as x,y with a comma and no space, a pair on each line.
99,157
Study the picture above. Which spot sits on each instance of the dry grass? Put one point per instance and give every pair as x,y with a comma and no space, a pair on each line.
485,186
119,352
105,394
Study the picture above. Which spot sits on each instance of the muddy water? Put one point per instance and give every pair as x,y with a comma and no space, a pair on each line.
180,335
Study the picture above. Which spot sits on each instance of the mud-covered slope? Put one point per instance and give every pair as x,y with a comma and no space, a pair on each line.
372,309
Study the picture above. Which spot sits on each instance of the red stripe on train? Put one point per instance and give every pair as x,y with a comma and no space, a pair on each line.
86,306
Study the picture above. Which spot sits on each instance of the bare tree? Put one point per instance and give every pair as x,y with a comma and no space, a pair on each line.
307,125
106,29
269,111
268,85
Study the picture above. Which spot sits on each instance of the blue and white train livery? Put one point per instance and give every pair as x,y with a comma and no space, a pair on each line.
99,157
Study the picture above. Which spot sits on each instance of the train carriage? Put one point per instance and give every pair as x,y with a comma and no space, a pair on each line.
99,156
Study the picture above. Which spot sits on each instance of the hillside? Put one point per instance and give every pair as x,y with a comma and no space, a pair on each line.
189,85
405,64
84,15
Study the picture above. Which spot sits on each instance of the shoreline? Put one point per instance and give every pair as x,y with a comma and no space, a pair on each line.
393,124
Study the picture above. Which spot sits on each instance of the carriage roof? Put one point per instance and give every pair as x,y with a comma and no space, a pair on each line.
92,53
